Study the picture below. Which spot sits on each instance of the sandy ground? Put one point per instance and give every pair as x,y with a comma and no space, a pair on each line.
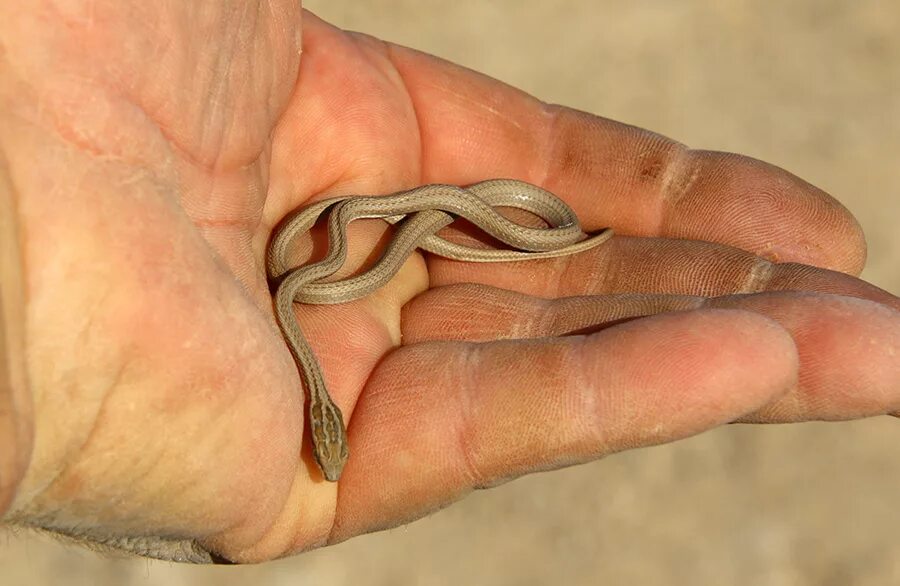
810,85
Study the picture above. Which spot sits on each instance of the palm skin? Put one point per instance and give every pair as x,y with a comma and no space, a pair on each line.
152,151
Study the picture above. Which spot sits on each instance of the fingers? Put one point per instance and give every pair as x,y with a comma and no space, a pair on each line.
655,266
473,127
847,347
439,419
848,351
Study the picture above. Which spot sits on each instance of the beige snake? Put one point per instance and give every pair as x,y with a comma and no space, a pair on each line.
420,213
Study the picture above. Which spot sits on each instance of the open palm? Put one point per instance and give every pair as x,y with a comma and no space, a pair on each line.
151,151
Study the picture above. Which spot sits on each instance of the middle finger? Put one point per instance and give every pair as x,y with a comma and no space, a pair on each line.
653,266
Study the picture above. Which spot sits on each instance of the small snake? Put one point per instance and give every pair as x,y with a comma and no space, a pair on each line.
419,214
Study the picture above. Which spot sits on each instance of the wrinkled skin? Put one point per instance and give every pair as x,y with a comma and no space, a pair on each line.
148,152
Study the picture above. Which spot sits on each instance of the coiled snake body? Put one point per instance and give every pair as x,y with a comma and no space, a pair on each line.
419,213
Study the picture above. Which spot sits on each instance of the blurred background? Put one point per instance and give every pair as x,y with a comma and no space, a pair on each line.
810,85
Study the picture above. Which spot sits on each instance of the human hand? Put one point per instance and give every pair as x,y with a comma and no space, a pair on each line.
148,172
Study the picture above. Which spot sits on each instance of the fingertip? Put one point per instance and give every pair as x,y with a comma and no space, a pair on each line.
767,210
685,372
764,354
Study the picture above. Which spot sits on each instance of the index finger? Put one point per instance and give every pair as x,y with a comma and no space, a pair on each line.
473,127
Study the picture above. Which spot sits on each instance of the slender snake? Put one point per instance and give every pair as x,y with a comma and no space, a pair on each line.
419,214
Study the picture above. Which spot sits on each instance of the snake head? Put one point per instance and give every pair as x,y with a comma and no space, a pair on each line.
329,440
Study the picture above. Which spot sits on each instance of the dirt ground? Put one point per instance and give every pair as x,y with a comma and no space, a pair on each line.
810,85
